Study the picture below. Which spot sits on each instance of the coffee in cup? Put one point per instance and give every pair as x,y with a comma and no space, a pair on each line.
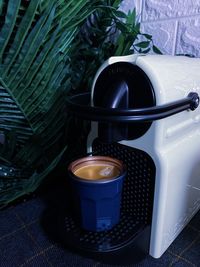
96,168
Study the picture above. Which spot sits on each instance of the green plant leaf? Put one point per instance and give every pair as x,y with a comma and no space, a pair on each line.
122,27
115,3
148,36
146,50
1,7
143,44
120,14
20,36
36,65
30,48
137,28
156,50
18,188
31,86
8,26
131,18
12,117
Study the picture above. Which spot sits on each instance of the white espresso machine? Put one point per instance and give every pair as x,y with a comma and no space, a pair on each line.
144,111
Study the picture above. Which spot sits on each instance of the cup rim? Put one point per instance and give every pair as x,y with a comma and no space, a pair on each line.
73,166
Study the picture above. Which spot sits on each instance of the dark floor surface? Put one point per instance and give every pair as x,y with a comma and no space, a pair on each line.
24,242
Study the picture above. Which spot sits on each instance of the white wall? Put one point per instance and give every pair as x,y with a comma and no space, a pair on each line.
174,24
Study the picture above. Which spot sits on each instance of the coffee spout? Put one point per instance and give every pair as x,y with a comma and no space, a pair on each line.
117,96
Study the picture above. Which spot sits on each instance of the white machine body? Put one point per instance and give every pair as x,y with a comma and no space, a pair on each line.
173,143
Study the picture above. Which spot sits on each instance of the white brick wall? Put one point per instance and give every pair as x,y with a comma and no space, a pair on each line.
174,24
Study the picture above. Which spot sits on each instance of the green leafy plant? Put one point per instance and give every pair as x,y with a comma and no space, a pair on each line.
48,50
106,34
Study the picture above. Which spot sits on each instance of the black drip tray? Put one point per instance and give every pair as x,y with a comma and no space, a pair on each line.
129,239
118,237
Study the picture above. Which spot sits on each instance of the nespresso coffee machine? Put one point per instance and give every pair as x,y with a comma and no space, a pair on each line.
144,111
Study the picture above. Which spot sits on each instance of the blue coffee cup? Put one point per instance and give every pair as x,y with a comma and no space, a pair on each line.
97,183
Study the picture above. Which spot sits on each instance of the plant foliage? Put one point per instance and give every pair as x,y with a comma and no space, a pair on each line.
48,50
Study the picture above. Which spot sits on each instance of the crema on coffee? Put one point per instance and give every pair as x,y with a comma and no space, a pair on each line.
96,168
97,171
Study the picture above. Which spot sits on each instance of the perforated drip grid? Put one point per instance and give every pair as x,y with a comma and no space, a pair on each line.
136,206
138,188
104,241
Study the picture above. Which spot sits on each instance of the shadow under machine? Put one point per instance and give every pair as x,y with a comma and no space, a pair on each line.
144,111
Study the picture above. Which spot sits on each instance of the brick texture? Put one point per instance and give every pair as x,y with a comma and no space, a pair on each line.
158,9
174,24
188,37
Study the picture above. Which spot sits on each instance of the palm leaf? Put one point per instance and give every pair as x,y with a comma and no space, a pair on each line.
12,117
34,68
35,47
23,29
6,31
24,186
30,47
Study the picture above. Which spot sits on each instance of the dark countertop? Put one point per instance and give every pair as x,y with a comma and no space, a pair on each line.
26,239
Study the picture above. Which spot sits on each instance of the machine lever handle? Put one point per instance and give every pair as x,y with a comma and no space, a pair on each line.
78,105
